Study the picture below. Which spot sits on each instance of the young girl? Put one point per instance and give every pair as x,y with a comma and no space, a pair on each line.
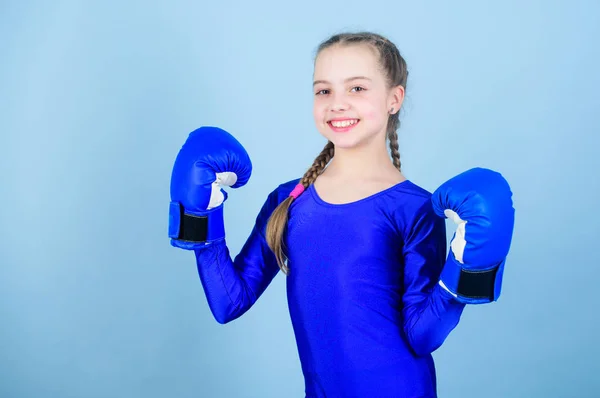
369,289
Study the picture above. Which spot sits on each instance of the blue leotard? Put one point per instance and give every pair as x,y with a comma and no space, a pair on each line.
363,293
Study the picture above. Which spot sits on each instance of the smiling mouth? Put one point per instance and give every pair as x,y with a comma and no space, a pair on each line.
341,126
343,123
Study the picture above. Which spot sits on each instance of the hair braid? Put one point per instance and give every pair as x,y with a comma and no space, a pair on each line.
318,166
394,147
276,227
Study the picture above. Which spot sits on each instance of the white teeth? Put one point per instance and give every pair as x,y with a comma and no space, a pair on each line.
344,123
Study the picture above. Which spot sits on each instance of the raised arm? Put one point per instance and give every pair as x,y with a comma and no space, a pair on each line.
209,159
479,201
430,313
233,286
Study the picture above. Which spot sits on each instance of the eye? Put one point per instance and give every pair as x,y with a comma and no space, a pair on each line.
358,88
321,92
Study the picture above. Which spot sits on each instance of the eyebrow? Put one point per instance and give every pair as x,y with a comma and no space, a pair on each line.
345,80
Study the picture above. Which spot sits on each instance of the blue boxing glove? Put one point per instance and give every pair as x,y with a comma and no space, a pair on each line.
209,159
480,202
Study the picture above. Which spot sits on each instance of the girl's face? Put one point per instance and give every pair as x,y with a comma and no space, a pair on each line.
351,98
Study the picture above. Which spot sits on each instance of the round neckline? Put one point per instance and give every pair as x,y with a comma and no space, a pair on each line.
319,200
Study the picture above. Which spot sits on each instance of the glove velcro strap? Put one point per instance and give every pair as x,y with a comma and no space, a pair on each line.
192,231
477,284
472,286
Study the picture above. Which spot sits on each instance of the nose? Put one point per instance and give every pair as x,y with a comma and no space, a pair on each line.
339,103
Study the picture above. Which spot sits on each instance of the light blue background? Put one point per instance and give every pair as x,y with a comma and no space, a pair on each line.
96,99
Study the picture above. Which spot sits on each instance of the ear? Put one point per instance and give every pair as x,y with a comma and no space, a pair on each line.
395,99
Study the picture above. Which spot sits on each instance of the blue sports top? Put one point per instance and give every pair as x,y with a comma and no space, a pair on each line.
365,304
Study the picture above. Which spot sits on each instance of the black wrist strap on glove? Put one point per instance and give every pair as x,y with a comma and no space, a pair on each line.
195,230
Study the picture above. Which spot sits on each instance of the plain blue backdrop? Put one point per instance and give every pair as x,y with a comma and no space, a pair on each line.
97,97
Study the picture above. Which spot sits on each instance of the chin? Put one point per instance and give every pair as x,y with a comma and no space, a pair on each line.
347,140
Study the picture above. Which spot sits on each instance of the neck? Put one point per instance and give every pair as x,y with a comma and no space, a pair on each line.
363,162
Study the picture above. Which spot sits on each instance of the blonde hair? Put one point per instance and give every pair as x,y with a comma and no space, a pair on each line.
397,74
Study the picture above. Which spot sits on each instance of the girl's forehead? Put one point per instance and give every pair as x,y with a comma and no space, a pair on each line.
358,53
346,61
